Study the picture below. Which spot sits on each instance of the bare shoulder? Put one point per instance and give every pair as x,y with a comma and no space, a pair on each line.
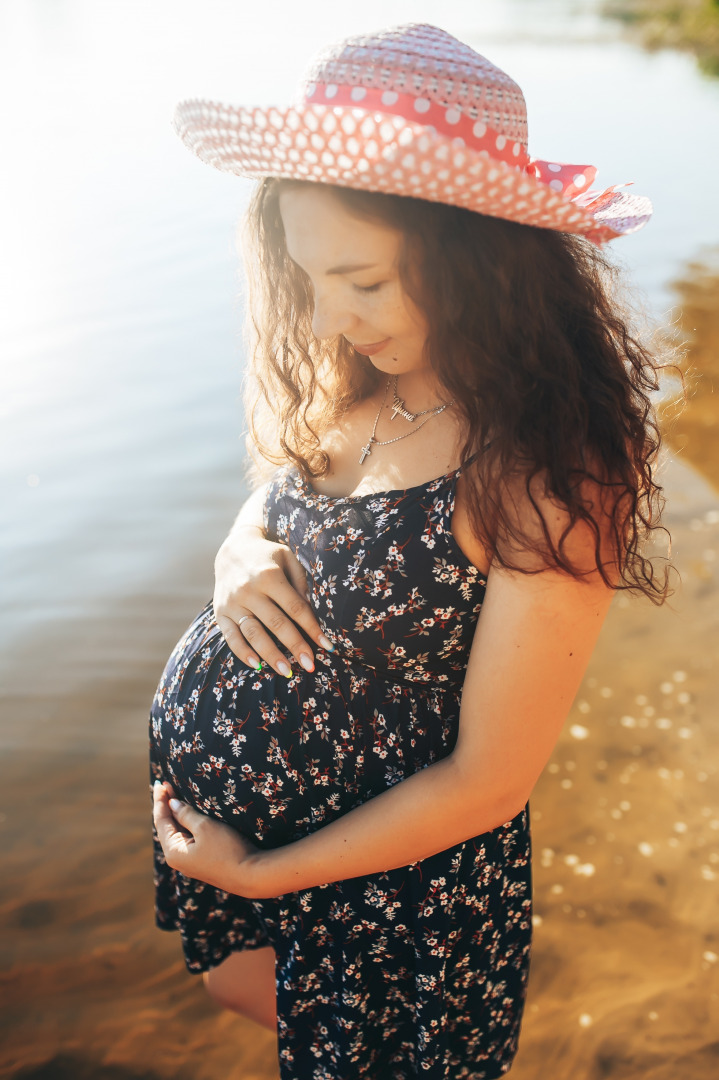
527,524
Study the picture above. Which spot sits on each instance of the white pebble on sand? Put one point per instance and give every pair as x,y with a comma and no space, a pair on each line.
667,687
664,723
624,805
653,1016
628,721
566,784
684,698
571,860
585,1020
708,874
586,869
680,826
606,691
537,920
711,517
583,706
680,676
685,733
710,957
579,732
645,849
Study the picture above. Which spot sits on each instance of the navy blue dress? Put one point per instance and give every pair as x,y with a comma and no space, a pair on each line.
417,972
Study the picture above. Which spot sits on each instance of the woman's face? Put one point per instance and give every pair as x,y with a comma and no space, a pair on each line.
352,265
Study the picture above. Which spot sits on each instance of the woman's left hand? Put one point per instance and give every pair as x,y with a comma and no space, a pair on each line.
200,846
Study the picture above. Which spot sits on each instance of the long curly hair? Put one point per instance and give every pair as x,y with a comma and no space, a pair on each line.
524,336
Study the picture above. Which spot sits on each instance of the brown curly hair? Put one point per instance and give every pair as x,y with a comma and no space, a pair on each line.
524,337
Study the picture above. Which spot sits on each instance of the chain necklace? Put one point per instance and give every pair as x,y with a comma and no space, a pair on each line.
400,409
435,411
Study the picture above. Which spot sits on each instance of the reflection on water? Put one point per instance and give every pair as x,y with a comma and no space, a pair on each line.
122,466
694,434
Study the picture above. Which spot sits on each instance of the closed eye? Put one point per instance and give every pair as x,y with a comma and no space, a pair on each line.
369,288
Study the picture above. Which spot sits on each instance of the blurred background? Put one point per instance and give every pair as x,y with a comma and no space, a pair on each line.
122,468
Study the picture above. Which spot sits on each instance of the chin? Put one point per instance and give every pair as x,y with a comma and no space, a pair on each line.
390,366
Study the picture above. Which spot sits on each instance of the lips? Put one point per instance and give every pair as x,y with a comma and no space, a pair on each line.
370,350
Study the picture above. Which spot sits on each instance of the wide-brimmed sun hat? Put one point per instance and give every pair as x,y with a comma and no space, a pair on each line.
411,111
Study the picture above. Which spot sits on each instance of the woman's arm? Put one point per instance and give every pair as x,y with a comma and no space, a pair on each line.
254,576
533,641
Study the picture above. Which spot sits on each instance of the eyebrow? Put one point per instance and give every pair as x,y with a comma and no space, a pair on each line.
350,268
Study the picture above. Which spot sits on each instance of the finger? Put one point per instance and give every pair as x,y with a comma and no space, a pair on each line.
296,576
237,642
295,601
167,831
270,625
186,816
295,613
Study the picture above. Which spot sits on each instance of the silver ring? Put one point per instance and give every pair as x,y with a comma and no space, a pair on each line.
239,624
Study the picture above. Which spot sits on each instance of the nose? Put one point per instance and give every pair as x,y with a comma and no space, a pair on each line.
330,317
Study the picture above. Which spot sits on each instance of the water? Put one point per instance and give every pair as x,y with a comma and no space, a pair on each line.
121,359
120,381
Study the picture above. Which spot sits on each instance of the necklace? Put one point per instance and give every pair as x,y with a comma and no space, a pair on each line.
435,411
400,409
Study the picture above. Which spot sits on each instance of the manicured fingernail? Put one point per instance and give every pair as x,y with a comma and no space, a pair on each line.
255,662
325,643
306,661
175,804
158,783
284,669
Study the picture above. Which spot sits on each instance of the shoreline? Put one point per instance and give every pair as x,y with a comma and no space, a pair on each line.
687,25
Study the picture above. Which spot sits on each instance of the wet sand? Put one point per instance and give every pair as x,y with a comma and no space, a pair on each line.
625,975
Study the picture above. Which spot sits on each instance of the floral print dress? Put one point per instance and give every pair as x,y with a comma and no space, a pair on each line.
417,972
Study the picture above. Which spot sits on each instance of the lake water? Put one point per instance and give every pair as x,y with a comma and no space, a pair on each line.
120,326
121,358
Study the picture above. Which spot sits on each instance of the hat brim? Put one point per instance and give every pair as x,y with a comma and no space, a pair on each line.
373,151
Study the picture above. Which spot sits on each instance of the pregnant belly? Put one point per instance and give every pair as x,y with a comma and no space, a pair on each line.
278,758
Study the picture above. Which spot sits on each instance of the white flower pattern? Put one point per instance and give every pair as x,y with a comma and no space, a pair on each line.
417,972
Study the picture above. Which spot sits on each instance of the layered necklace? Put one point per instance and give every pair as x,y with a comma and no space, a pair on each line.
399,409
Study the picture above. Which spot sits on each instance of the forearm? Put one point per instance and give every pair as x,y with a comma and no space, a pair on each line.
426,813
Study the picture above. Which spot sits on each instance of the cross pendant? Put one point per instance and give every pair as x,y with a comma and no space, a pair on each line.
365,451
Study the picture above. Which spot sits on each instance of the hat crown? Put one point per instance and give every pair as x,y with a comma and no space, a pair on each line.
426,62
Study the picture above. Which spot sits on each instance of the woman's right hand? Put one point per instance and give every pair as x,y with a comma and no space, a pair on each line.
258,578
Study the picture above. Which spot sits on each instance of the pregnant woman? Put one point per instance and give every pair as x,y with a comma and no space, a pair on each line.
460,447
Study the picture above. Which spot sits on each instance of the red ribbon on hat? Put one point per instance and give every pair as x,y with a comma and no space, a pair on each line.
570,181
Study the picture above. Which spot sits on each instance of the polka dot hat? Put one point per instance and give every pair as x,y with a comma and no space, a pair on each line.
411,111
